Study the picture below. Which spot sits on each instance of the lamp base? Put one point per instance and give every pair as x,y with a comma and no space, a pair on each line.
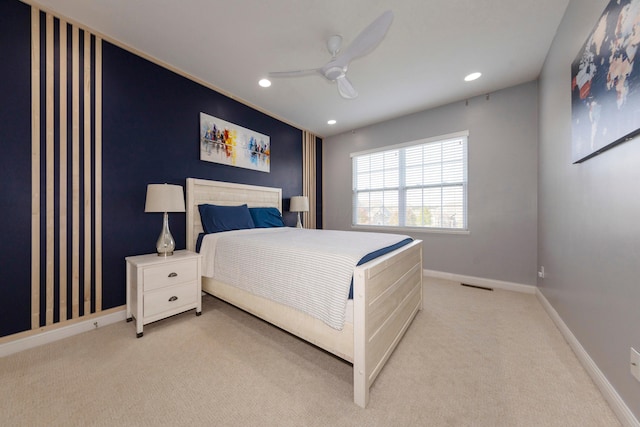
165,244
299,224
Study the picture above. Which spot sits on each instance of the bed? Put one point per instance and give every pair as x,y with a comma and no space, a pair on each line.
387,291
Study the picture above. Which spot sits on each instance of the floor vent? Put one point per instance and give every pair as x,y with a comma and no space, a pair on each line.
484,288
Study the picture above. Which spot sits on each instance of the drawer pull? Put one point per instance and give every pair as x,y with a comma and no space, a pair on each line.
173,298
173,275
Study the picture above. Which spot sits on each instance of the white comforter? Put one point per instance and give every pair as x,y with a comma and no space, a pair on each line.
310,270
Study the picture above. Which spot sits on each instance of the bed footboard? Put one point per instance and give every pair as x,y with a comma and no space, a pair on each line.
387,296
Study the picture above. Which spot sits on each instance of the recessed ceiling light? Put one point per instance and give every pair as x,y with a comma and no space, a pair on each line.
264,82
331,122
472,76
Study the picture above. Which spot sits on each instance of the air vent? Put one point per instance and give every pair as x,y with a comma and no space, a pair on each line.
484,288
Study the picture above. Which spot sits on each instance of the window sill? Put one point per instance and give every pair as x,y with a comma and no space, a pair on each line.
410,230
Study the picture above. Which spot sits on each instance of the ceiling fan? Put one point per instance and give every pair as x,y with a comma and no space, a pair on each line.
336,69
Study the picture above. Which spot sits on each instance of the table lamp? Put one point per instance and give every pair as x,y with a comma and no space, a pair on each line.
299,204
164,198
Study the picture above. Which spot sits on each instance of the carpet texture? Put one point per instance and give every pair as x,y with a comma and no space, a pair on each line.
471,358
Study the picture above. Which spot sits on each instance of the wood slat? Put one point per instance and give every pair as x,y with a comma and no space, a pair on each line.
382,308
35,168
98,175
86,208
75,172
63,173
384,261
87,168
309,177
380,348
50,170
379,282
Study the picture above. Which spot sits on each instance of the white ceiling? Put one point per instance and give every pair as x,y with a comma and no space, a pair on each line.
420,64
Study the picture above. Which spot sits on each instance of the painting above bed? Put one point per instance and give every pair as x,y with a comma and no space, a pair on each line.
605,84
230,144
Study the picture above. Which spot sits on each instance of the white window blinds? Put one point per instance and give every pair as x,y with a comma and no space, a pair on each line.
420,184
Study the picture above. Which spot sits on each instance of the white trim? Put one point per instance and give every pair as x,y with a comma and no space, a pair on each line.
47,337
441,138
412,230
624,414
479,281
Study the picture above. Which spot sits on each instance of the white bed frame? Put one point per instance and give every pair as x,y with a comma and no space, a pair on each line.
387,291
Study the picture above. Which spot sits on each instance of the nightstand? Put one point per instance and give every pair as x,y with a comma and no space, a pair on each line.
161,286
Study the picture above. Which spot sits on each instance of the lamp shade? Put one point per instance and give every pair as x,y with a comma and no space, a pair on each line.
164,198
299,204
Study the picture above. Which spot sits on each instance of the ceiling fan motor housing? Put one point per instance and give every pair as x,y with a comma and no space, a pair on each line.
333,73
333,45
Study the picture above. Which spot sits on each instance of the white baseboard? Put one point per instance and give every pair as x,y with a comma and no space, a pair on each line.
479,281
52,335
618,406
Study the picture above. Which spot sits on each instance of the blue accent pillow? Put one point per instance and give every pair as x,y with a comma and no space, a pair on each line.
266,217
225,218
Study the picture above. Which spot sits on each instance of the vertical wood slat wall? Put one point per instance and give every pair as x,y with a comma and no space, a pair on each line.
309,177
54,191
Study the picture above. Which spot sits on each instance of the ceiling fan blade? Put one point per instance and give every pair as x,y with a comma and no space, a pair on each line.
367,40
295,73
345,88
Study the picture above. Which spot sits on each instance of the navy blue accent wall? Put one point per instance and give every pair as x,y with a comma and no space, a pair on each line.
151,135
15,167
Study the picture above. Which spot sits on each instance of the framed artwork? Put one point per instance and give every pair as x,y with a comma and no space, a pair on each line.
230,144
605,82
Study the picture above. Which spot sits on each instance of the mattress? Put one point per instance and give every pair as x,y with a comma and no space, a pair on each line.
309,270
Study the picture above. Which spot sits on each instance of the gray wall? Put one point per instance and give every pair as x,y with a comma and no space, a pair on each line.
502,171
589,234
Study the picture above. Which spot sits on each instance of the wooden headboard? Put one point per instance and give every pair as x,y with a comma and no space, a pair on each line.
200,191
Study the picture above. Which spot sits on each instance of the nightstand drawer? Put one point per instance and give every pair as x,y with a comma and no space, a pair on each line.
170,274
169,298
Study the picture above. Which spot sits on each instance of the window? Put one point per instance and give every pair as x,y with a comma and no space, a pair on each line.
419,184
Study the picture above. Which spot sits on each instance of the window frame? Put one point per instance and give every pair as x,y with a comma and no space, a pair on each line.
402,187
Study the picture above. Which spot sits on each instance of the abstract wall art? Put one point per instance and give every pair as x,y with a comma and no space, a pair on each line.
230,144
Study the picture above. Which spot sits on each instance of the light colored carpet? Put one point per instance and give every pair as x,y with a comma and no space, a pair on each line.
470,358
